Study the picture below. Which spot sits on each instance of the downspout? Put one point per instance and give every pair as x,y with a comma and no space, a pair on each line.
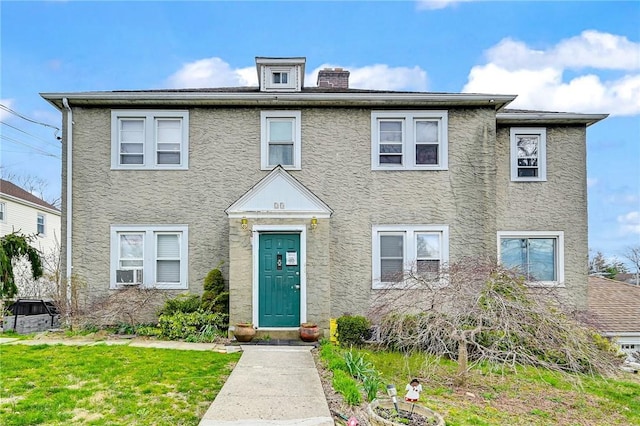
69,266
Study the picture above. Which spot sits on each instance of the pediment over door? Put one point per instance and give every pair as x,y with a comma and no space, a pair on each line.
279,195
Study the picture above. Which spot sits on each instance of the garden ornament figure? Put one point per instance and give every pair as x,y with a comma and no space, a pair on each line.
413,391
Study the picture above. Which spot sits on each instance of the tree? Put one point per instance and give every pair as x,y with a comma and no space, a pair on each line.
475,311
633,255
13,247
599,265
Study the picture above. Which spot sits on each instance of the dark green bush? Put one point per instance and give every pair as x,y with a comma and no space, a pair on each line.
215,298
353,330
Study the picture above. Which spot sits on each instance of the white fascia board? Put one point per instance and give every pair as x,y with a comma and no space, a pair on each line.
621,334
275,214
548,117
238,98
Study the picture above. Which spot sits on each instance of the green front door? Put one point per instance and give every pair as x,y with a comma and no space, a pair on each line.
279,281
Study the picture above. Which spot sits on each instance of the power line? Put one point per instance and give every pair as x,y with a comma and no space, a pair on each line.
36,149
26,133
17,114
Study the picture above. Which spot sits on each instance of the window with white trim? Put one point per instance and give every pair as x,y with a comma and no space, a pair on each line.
402,250
280,78
538,256
280,139
3,212
528,154
151,256
149,139
409,140
40,224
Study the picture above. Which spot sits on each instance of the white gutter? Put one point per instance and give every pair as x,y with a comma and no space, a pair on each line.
69,266
139,97
515,117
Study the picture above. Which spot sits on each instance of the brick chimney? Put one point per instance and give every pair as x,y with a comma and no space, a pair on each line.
335,78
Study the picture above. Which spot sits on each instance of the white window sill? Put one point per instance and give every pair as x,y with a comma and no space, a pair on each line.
544,284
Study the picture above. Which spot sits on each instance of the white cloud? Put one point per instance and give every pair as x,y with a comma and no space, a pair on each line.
537,76
7,103
438,4
212,72
590,49
379,77
629,223
215,72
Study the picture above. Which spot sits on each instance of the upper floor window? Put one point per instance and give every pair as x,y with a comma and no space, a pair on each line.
409,140
3,212
280,77
280,139
401,251
40,224
149,139
153,256
538,256
528,154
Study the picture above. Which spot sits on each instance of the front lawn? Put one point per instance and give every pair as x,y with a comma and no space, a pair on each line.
108,385
529,396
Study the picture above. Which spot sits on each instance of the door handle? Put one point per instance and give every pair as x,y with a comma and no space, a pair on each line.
297,286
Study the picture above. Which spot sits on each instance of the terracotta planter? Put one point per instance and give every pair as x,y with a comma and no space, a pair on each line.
244,332
376,420
309,332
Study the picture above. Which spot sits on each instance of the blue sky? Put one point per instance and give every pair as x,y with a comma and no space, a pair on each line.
558,56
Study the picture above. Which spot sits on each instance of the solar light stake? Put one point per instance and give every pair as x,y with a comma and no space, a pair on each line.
392,392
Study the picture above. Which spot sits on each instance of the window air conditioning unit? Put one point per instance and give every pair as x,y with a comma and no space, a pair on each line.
129,276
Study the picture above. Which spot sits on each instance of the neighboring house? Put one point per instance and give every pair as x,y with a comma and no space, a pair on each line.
615,308
628,278
317,197
23,212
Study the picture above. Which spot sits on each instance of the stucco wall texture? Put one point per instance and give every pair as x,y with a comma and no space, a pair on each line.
475,197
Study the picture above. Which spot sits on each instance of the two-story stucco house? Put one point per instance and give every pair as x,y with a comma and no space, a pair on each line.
316,197
24,212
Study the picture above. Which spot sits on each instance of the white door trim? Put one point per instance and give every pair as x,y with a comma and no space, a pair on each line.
255,246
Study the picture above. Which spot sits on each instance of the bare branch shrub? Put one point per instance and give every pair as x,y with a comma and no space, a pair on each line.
132,306
477,311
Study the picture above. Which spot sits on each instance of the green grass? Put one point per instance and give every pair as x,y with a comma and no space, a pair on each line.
108,385
491,396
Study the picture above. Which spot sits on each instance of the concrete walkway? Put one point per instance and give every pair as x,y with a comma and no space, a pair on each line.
271,385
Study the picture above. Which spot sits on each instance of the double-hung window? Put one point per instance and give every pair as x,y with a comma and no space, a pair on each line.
3,212
149,139
528,154
404,251
538,256
152,256
280,139
409,140
40,224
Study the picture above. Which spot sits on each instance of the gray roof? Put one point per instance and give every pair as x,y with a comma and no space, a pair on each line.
614,305
12,190
317,97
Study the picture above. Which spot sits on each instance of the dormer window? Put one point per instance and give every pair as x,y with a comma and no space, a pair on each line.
280,77
280,74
